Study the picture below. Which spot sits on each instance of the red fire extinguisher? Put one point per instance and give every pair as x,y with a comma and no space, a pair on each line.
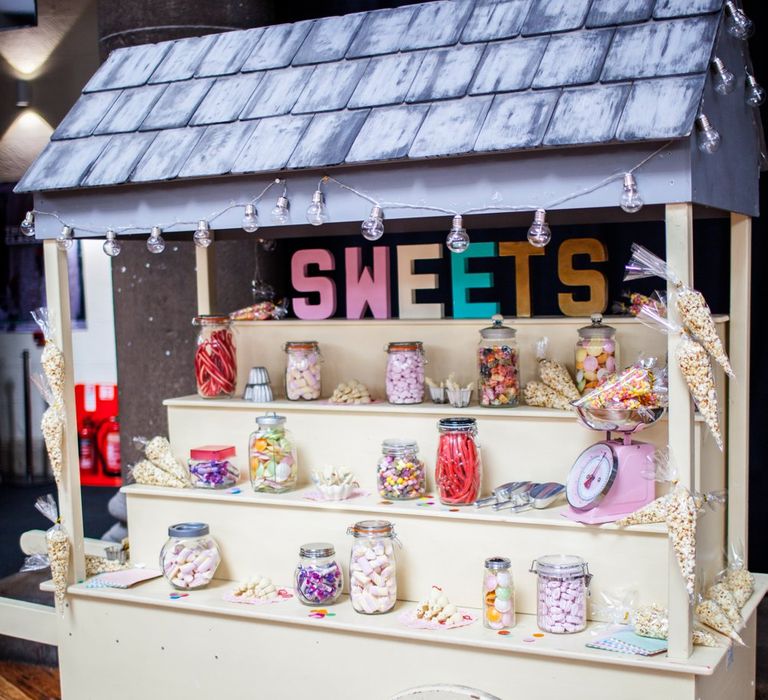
109,446
86,442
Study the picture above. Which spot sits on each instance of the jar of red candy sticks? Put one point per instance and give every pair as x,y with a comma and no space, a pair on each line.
215,357
497,361
459,470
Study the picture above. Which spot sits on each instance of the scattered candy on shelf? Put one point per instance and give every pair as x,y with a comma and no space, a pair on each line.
257,589
272,454
458,472
190,556
498,365
498,594
353,392
303,370
334,484
437,607
209,467
318,578
405,372
562,587
215,357
372,567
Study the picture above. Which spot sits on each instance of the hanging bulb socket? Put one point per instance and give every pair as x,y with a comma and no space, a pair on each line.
631,202
27,227
66,238
737,23
373,227
250,219
754,95
156,242
111,246
202,236
317,212
725,81
709,138
457,240
281,212
539,234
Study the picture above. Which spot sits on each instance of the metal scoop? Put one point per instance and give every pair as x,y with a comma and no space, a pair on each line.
502,494
538,496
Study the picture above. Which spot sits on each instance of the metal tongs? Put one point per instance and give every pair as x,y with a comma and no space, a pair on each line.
538,496
504,493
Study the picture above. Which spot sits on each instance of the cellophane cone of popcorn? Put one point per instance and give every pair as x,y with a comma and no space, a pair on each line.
59,548
147,473
52,358
553,374
654,512
651,621
697,369
158,451
682,515
697,318
539,394
711,614
741,584
725,599
52,426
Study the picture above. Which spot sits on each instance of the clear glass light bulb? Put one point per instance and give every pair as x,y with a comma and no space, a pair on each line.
754,96
27,226
202,237
373,227
709,138
631,202
281,213
725,81
66,238
111,246
737,23
539,234
250,219
156,242
457,240
317,212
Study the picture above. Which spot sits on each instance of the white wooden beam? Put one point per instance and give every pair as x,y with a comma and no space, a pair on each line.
23,620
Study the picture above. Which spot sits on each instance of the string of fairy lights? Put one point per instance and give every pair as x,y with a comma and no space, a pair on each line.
709,139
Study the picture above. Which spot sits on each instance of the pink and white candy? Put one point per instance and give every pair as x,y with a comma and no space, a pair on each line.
562,605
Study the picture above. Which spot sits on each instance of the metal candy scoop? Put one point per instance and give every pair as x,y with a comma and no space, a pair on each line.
503,493
538,496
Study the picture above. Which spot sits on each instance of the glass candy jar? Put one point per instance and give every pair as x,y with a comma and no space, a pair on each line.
563,589
459,470
215,357
596,354
372,567
498,594
272,456
302,370
209,467
405,372
498,364
400,474
189,558
318,578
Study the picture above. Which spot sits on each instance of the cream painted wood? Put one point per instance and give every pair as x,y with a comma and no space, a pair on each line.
33,542
37,623
70,505
738,389
679,245
205,273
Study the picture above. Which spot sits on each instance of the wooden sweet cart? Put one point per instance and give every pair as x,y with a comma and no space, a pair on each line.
636,115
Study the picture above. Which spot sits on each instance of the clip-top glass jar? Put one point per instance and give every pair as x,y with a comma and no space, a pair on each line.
302,370
563,589
498,594
459,469
272,455
498,364
405,372
318,578
215,357
400,473
372,567
596,354
209,467
189,558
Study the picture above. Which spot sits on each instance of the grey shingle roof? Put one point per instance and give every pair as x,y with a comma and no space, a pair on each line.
438,79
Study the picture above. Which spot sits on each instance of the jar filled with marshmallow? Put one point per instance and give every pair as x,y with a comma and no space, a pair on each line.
405,372
400,474
318,578
302,370
498,594
596,354
190,556
372,568
563,589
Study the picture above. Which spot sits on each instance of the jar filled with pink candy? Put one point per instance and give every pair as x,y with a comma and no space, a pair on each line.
563,589
596,354
405,372
302,370
498,364
215,357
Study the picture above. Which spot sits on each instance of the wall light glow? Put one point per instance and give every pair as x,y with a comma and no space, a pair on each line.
21,143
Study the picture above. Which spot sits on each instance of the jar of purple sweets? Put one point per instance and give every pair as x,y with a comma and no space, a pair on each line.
210,468
318,578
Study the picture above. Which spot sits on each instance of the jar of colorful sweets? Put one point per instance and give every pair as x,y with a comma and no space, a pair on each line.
272,455
318,578
400,474
498,594
596,354
210,468
459,470
497,359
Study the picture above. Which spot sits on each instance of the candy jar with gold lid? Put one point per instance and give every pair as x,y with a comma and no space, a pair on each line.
498,364
596,354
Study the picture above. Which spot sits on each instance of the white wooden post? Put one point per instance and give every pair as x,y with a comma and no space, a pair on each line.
738,388
205,267
679,238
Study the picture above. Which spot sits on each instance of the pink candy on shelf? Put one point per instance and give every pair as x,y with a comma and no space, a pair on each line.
405,372
562,593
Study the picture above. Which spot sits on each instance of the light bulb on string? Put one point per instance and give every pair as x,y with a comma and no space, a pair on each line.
66,238
755,93
156,242
27,227
250,219
725,81
111,246
631,202
457,240
737,23
281,212
202,236
709,138
317,212
539,234
373,227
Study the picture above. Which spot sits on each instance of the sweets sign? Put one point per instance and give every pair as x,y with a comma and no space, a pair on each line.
371,287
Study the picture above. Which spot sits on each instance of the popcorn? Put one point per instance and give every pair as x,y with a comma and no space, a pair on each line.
697,317
555,375
720,594
158,451
52,426
681,519
741,584
59,548
99,565
712,615
151,475
539,394
653,621
654,512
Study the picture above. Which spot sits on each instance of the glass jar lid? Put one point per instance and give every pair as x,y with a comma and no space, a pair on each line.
456,424
270,420
317,550
498,331
211,320
372,528
398,446
188,530
301,345
561,566
497,563
598,329
405,345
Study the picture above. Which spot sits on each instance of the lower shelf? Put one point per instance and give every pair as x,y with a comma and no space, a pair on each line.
209,601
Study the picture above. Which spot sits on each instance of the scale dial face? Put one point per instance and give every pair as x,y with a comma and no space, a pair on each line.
591,476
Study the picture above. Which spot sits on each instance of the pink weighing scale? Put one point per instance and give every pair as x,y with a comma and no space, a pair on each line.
607,480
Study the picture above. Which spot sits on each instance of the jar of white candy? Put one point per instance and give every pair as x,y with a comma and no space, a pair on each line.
190,556
302,370
372,568
563,588
405,372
